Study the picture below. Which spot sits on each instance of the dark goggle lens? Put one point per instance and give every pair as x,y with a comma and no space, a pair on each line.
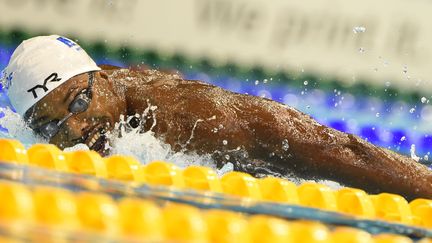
49,130
79,105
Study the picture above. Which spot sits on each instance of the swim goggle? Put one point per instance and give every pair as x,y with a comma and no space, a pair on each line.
78,105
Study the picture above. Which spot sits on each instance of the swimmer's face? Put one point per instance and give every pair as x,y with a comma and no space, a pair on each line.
87,127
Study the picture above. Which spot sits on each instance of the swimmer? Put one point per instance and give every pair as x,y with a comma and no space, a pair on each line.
66,98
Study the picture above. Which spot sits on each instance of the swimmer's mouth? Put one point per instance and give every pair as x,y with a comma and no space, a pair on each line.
97,139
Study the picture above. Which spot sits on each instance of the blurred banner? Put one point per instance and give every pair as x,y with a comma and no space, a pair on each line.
384,42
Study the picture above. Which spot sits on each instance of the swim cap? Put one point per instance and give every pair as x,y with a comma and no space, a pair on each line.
41,64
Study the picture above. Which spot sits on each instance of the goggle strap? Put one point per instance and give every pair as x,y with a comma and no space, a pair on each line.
64,119
90,87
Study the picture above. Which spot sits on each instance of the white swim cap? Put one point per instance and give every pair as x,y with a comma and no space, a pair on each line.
41,64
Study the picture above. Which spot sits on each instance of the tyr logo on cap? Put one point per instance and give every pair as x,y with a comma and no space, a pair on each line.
53,77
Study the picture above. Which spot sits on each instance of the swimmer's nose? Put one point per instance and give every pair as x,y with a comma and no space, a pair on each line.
75,127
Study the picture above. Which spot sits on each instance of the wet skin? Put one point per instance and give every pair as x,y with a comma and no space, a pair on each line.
196,116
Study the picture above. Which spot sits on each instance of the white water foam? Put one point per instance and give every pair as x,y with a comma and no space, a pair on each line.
18,129
147,148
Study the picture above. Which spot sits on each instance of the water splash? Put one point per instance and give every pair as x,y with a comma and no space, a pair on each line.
17,128
146,147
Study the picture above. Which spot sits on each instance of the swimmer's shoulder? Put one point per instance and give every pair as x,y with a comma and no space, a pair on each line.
147,75
107,67
136,75
143,70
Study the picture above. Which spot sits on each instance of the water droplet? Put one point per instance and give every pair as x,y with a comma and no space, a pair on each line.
413,155
308,106
265,80
285,145
305,82
387,84
412,110
423,100
359,29
361,50
377,114
403,138
256,82
227,157
405,69
224,142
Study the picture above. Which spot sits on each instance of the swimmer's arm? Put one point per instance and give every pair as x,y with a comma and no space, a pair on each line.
317,150
361,164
